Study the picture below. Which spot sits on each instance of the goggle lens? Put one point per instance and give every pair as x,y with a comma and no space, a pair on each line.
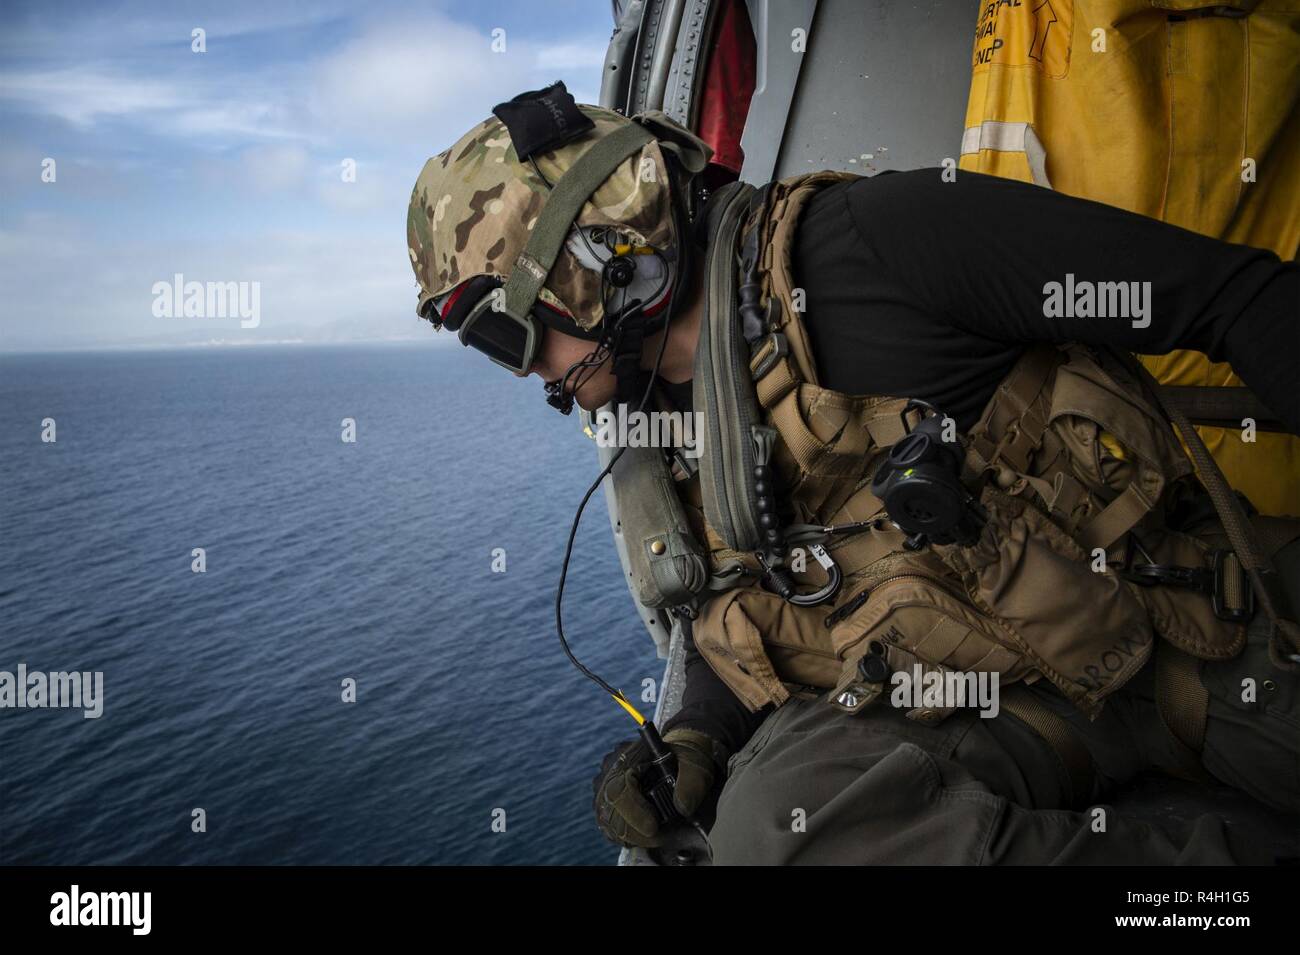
506,340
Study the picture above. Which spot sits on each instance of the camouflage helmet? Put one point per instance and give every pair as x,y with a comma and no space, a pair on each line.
474,206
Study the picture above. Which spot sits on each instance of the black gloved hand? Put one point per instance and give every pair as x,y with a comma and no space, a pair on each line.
624,814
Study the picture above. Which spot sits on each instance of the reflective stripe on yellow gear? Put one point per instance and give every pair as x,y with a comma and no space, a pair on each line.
1176,109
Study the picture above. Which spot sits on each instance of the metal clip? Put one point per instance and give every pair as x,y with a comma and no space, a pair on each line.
912,405
819,596
780,348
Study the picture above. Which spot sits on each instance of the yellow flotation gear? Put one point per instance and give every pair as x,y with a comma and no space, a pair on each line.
1181,110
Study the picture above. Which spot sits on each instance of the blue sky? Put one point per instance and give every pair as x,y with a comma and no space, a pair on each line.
226,165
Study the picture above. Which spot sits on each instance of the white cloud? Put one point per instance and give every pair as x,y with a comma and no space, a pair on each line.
172,161
403,73
274,168
134,26
419,81
82,95
571,58
415,81
204,113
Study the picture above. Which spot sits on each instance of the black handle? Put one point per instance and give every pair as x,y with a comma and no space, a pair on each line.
662,775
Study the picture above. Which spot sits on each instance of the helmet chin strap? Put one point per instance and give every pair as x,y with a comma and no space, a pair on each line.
624,343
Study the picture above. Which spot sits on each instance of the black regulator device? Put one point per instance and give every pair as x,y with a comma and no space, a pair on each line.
920,485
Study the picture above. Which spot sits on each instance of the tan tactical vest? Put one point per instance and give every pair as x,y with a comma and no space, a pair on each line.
1075,467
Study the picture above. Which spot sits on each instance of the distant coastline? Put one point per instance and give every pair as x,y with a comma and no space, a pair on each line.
433,340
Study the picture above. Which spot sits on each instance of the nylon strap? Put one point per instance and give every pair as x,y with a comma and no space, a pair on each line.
1183,704
1224,407
1117,518
627,359
1077,767
777,383
562,206
883,425
802,444
1007,430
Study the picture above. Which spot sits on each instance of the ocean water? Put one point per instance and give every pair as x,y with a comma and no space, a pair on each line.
325,561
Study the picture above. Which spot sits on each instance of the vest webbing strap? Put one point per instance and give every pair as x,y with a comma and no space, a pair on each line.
1220,406
779,380
1061,496
1183,704
1116,518
863,550
1006,430
774,226
811,455
562,206
881,424
1076,763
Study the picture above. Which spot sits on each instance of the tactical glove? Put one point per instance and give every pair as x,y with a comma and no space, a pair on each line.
624,814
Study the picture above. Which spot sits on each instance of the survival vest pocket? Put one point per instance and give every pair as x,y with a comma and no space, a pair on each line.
1085,631
762,647
913,619
920,615
1118,447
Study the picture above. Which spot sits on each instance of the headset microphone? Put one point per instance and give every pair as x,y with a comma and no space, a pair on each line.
619,271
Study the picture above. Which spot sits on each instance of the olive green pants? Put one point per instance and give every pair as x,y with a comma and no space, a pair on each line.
816,785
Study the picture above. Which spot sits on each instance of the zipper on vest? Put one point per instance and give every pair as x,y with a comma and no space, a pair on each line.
844,610
729,415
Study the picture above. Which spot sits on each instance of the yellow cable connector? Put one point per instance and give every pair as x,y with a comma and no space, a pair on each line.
632,711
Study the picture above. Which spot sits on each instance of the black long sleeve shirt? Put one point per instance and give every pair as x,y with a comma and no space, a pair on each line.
915,287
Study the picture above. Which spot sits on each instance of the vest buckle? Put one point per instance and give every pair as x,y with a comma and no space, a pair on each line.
780,348
1233,598
1225,581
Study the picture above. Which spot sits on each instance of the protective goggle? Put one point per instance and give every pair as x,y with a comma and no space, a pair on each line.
513,343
